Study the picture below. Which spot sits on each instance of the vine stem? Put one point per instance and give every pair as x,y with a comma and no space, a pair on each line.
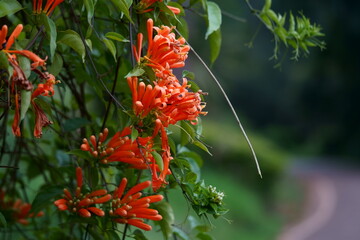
229,103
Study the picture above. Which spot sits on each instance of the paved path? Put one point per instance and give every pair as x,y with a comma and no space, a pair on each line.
333,204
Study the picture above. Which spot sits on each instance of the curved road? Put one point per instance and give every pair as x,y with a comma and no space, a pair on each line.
332,211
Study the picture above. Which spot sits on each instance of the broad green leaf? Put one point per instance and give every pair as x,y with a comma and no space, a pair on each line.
214,18
166,211
181,234
188,75
187,133
202,146
8,7
134,134
123,6
25,103
112,235
51,33
158,160
215,45
89,5
75,123
204,236
24,63
94,232
139,235
111,46
73,40
116,36
56,65
3,221
44,198
135,72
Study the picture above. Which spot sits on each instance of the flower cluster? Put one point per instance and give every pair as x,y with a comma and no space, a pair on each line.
17,211
126,208
131,207
19,81
80,203
49,6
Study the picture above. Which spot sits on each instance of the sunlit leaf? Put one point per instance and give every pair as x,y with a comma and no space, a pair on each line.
166,211
73,40
123,6
8,7
215,45
111,46
214,18
89,5
116,36
158,160
51,33
25,103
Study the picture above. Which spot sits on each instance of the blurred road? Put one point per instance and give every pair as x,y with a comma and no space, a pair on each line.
332,209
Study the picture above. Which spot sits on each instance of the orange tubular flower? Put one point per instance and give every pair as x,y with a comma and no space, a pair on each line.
131,209
164,50
19,210
49,6
120,148
80,203
44,89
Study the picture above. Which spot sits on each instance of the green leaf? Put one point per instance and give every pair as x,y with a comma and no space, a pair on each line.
51,32
73,40
45,197
139,235
134,134
123,6
188,75
187,133
116,36
202,146
24,63
25,103
214,18
80,153
204,236
89,5
215,45
181,234
3,220
75,123
135,72
112,235
158,160
56,66
111,46
8,7
166,211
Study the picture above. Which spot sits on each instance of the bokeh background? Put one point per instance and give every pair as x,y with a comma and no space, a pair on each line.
302,119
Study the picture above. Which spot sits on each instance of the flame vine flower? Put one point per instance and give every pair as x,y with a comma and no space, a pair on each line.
120,148
17,211
80,203
49,6
131,208
20,82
